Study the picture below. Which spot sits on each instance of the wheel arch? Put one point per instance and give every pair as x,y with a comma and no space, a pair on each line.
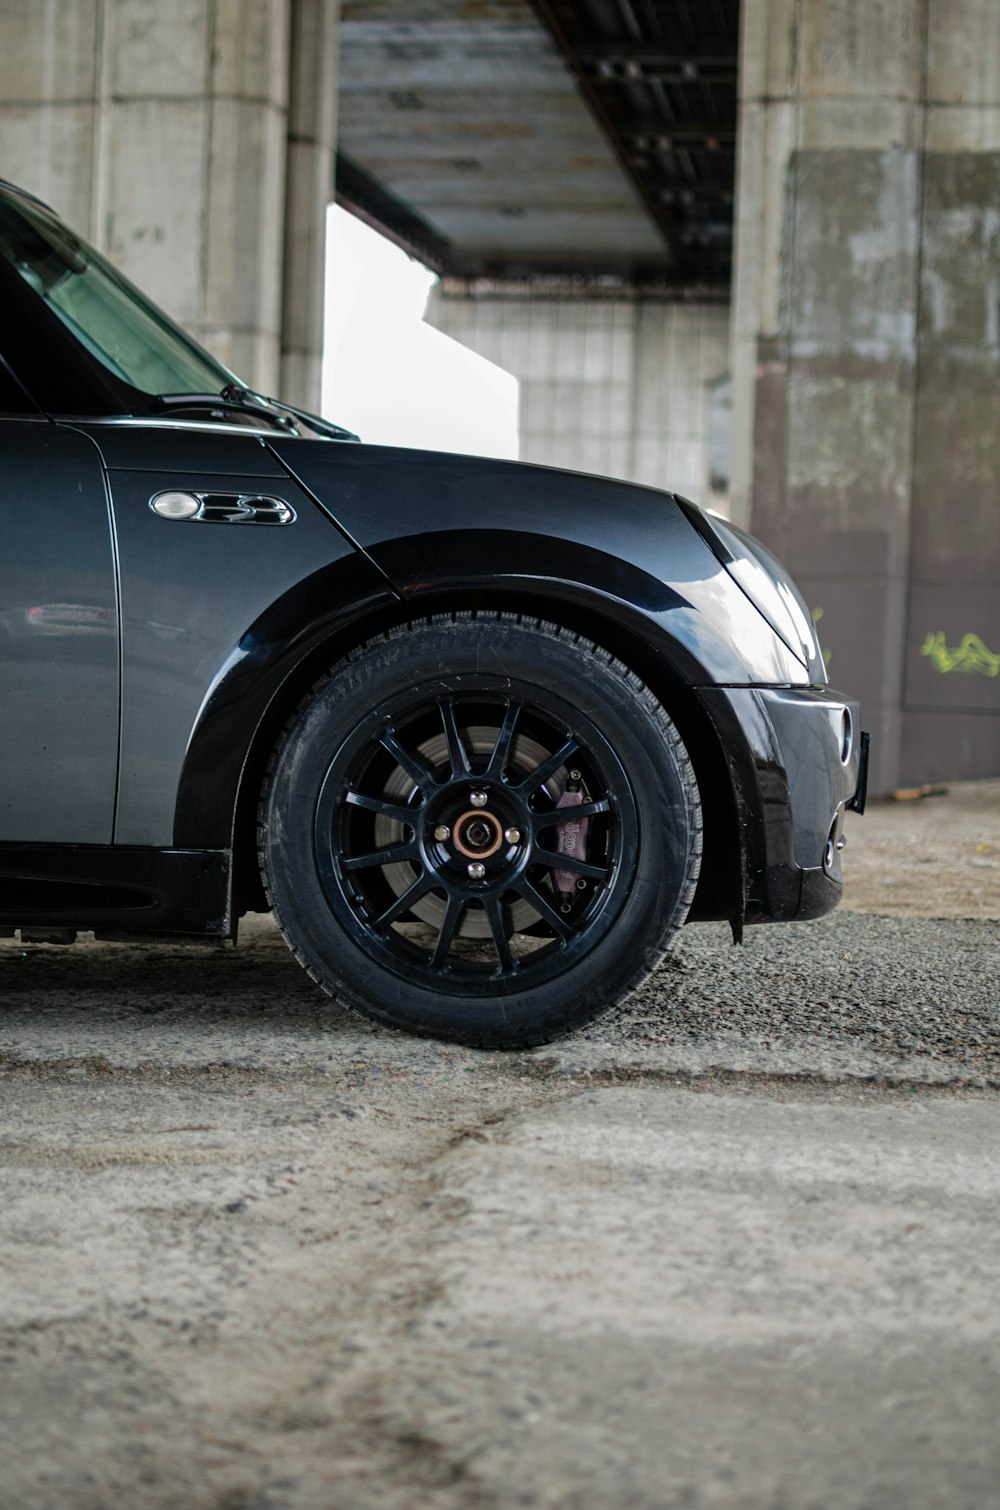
660,663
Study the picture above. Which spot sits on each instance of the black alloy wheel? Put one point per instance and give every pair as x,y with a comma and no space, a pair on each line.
480,828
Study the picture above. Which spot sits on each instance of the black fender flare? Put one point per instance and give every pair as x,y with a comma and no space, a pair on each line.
325,616
316,610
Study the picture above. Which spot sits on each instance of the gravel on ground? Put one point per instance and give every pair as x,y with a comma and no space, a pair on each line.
732,1246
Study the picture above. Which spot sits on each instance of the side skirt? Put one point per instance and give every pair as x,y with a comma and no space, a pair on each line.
116,888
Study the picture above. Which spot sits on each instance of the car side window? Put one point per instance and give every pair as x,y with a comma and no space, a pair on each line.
13,399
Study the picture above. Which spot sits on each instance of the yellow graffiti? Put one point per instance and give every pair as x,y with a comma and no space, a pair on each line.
970,655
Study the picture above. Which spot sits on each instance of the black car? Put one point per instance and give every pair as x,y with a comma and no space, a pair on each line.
483,735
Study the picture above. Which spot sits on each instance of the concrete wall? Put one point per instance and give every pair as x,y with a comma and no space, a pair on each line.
867,354
614,386
192,141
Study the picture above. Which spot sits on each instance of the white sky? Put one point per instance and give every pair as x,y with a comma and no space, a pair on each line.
390,377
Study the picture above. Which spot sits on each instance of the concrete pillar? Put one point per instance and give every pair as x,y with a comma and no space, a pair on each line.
618,386
866,355
312,132
168,134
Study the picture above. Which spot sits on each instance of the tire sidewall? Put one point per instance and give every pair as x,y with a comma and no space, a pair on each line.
606,695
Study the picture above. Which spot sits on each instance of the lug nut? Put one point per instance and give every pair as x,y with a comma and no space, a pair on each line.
513,836
478,799
442,832
574,776
476,871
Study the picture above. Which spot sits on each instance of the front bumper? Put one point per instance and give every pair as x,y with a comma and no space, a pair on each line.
795,756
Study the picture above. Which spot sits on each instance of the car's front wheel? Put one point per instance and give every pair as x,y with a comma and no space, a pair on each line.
481,828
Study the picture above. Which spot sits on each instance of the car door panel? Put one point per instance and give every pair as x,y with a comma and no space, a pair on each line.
59,671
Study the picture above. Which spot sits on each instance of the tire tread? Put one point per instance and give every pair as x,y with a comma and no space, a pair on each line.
655,951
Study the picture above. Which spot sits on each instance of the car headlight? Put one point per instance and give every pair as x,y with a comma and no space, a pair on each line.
766,583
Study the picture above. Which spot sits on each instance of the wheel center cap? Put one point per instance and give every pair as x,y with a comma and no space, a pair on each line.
477,834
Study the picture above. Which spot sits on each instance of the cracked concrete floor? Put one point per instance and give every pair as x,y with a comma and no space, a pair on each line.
733,1246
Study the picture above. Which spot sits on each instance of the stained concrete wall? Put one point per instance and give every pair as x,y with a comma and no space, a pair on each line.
193,142
617,386
867,354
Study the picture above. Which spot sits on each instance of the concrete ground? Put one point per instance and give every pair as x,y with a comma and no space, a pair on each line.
734,1246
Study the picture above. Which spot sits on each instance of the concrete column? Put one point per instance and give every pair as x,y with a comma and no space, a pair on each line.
312,130
866,367
616,386
244,186
167,134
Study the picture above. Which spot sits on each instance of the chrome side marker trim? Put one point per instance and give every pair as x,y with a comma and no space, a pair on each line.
222,508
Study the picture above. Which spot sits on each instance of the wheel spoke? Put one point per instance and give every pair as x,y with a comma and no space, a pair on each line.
381,806
395,911
388,856
419,773
505,739
569,814
540,775
456,749
542,906
446,752
449,927
494,915
555,861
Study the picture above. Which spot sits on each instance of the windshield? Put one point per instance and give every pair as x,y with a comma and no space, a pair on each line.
106,314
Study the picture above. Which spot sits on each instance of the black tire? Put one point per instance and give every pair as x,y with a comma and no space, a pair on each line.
443,750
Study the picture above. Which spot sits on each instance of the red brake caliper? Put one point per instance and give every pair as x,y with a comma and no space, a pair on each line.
572,835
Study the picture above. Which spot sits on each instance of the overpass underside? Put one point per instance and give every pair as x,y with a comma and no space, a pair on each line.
653,212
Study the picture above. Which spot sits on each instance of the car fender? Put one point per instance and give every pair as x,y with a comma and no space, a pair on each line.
679,625
315,624
302,634
433,522
284,650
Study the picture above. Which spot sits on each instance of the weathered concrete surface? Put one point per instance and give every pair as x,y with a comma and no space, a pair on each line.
620,387
194,143
309,163
314,1294
866,353
733,1247
715,1300
468,114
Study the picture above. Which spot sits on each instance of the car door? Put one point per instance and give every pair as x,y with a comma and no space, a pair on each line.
59,665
